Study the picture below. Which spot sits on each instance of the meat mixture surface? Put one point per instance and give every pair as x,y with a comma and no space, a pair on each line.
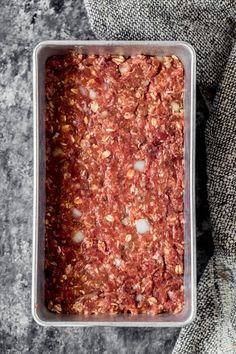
114,184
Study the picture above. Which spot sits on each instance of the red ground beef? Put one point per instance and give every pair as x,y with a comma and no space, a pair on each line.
114,184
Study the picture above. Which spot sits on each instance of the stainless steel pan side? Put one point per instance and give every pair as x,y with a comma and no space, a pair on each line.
187,55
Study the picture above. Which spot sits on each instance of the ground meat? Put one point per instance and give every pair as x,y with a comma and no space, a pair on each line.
114,184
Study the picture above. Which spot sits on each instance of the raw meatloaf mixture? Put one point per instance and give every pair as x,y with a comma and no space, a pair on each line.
114,184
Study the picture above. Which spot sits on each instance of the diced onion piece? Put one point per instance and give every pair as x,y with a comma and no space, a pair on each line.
117,262
83,90
78,236
139,166
142,226
76,213
92,94
125,221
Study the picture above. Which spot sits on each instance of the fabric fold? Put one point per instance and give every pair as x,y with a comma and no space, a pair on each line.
211,28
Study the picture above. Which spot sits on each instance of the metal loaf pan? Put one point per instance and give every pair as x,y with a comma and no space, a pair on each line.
187,55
